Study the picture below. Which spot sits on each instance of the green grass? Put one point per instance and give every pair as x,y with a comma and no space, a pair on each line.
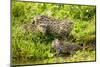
80,56
34,48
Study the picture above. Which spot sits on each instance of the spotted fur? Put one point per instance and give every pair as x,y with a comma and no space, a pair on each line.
61,28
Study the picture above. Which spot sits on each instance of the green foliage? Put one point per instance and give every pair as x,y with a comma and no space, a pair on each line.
84,31
28,47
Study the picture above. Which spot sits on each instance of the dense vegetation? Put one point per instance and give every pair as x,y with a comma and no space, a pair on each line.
34,48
